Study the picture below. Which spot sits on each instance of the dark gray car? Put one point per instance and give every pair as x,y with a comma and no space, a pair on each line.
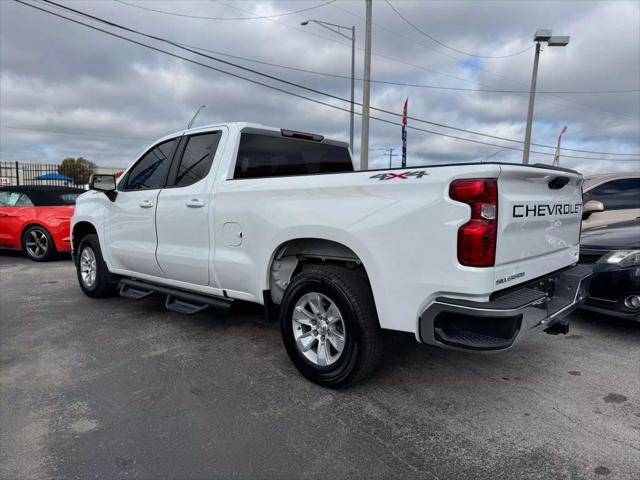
614,252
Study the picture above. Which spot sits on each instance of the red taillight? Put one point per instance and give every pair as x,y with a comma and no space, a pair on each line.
477,237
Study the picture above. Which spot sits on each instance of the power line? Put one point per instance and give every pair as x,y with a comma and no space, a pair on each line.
419,30
262,17
294,84
377,54
292,27
291,83
80,134
576,105
284,81
564,92
403,84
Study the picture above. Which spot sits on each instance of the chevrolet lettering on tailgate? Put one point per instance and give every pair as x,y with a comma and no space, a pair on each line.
544,210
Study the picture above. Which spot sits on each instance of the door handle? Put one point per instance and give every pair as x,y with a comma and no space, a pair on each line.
195,203
146,204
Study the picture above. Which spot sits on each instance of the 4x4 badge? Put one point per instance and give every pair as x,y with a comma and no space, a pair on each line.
402,175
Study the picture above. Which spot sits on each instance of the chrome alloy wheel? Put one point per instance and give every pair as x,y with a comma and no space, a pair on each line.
88,267
37,243
318,329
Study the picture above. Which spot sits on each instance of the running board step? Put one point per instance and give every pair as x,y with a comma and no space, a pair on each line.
176,305
177,300
134,293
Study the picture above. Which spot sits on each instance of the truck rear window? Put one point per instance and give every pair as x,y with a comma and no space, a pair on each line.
269,156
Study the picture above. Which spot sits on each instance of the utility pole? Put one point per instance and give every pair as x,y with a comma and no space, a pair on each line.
391,155
353,89
364,144
532,96
338,29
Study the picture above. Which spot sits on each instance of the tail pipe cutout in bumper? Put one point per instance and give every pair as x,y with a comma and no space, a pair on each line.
509,317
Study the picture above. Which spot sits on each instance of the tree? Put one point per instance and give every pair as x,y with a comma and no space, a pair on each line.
80,169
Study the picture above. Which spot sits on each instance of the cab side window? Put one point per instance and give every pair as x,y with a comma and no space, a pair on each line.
14,199
617,194
272,156
196,159
23,201
150,172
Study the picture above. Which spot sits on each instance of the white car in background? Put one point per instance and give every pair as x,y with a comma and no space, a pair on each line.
610,199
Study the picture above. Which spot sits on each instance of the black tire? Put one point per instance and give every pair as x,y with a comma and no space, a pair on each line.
37,244
349,290
105,284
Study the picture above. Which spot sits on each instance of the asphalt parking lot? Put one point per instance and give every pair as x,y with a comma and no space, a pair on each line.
117,389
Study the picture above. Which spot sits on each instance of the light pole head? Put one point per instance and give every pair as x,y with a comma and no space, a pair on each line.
545,35
306,22
542,35
558,41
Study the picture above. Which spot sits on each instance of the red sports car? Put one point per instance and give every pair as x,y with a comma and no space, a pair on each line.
36,219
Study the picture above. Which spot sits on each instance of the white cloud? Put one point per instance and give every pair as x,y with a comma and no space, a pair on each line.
58,76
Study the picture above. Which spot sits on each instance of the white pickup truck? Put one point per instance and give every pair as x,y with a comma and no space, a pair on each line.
465,256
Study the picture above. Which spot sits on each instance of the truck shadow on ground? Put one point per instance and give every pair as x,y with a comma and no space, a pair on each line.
406,363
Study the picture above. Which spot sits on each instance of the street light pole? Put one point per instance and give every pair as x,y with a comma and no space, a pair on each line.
552,41
532,96
364,144
335,28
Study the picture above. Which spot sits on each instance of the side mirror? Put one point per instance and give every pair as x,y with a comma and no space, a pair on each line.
592,206
104,183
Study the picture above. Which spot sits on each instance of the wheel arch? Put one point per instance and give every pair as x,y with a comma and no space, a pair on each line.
290,256
81,230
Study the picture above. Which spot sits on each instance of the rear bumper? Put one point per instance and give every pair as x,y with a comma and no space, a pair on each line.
509,317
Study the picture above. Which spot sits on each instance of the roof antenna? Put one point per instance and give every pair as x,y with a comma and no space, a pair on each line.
194,117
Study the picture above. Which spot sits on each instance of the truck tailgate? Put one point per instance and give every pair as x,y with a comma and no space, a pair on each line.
539,215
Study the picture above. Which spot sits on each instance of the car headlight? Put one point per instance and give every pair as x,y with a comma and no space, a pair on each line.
622,258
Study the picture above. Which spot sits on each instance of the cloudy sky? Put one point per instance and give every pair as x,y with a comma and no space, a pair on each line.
67,90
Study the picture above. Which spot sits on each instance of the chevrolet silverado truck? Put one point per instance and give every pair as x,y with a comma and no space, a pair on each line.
465,256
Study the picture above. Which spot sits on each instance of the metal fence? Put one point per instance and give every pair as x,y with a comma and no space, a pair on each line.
20,173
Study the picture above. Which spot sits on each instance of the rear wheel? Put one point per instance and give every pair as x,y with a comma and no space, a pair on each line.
37,243
329,325
93,274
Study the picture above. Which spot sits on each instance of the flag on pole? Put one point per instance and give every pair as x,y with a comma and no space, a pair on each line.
404,132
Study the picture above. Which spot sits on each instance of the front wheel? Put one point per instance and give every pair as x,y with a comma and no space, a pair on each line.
93,274
329,325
